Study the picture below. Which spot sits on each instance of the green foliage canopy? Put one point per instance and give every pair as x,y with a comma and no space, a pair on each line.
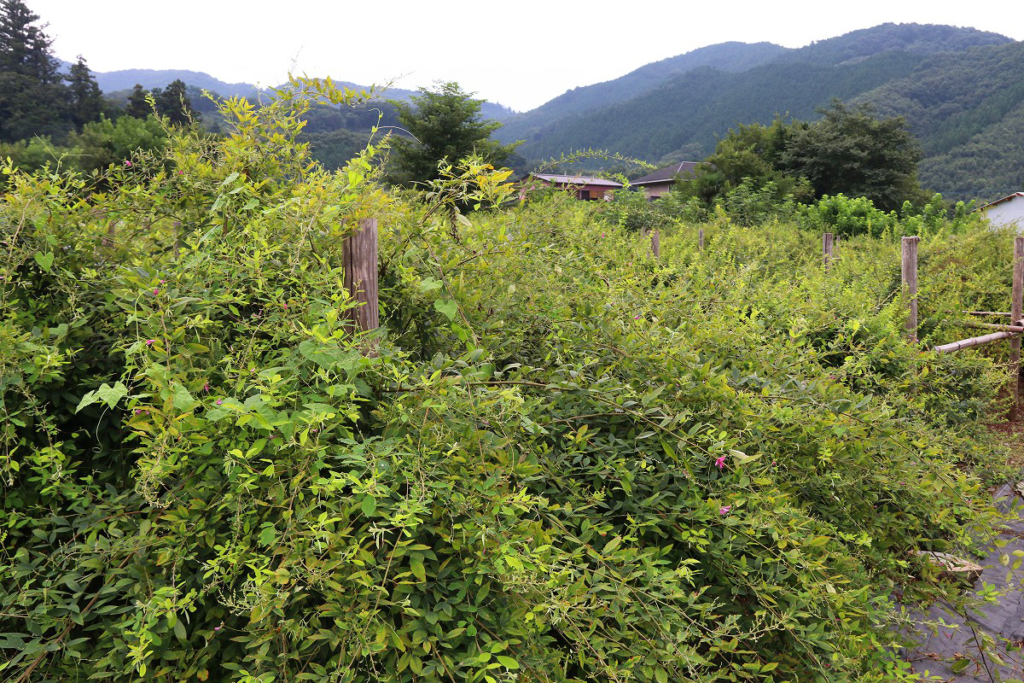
563,461
445,124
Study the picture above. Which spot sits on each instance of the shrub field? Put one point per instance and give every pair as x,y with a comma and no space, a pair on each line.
559,459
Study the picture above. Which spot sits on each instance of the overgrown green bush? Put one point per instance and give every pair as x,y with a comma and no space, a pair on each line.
558,460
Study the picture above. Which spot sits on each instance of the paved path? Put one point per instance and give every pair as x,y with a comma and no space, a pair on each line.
942,654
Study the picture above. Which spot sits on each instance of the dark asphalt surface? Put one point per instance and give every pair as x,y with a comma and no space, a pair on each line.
942,655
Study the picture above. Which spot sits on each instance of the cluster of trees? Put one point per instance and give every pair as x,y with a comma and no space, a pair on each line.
51,117
35,97
848,151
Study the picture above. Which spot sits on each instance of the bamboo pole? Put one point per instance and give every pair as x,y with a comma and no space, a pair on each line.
700,239
656,243
359,258
909,268
1004,328
1016,312
1000,313
975,341
827,241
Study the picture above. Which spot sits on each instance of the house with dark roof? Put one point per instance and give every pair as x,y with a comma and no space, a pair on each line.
1006,211
660,182
585,187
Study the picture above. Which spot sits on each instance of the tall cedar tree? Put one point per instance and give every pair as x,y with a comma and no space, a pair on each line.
85,99
174,103
137,106
33,99
446,124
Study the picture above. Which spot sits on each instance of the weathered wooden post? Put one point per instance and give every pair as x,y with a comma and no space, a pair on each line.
826,247
656,243
1016,312
909,265
700,240
359,258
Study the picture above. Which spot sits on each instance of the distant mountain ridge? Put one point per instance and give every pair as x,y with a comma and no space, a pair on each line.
126,79
904,68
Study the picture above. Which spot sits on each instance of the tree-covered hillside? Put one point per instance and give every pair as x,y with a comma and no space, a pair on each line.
734,57
729,57
967,109
951,84
685,116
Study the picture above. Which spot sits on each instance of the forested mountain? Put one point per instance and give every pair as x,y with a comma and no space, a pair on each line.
116,82
959,76
683,117
113,81
728,57
967,109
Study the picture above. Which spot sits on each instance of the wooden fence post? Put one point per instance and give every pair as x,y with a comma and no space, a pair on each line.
359,259
656,243
700,240
1016,313
909,266
826,247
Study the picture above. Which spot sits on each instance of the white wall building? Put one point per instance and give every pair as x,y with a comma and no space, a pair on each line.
1006,211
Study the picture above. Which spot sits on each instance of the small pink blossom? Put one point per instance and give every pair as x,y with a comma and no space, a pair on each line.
724,510
150,342
720,463
206,387
127,164
155,291
137,411
163,281
219,401
636,317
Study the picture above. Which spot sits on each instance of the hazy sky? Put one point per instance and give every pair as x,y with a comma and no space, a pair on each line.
520,53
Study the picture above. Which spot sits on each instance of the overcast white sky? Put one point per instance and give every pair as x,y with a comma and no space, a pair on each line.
520,53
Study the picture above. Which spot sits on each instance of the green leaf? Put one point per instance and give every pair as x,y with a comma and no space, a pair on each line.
107,394
508,662
45,261
182,399
430,284
446,307
268,536
369,506
416,565
179,631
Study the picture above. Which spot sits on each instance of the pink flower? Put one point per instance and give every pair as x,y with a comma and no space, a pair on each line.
206,387
720,463
155,291
724,510
150,342
163,281
127,164
636,317
219,401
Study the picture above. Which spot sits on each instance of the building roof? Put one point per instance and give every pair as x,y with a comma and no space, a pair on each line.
1000,201
667,174
575,180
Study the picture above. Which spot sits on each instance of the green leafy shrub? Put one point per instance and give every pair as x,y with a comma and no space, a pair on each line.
559,460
